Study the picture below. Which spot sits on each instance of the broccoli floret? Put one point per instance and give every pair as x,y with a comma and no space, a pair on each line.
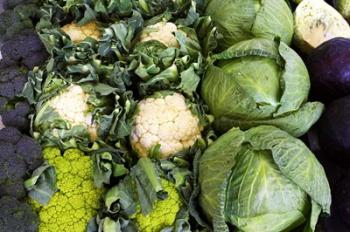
27,49
12,80
16,116
12,23
164,212
17,216
14,112
77,199
19,156
10,4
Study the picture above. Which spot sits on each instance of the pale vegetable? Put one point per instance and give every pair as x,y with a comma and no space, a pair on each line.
317,22
79,33
72,115
72,106
164,125
163,32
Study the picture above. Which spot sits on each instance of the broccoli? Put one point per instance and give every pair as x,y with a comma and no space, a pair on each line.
17,216
10,4
12,81
27,49
19,156
13,110
17,116
14,21
164,212
77,199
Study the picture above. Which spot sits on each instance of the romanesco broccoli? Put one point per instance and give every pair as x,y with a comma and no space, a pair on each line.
77,200
164,212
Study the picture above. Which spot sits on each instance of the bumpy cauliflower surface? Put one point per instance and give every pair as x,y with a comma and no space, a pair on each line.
164,213
72,106
79,33
77,200
163,32
164,120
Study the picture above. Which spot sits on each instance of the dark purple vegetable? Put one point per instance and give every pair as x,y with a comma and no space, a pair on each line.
19,156
329,66
16,216
26,49
334,131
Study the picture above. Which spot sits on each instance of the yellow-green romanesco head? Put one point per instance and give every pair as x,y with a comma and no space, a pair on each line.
77,200
164,212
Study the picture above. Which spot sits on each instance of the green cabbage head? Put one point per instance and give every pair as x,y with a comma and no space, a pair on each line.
239,20
260,82
262,180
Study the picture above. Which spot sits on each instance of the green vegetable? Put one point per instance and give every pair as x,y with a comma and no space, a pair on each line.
167,56
262,179
240,20
260,82
343,7
76,115
164,213
146,200
76,200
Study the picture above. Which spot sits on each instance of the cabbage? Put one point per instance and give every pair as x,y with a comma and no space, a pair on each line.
343,6
262,180
239,20
258,82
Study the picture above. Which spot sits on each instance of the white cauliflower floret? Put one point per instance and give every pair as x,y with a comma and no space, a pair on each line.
166,121
72,106
79,33
162,32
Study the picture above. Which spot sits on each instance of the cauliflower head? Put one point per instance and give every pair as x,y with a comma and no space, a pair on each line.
79,33
164,212
71,105
164,120
77,200
162,32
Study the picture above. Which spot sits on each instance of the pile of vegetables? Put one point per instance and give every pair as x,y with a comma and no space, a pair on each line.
174,115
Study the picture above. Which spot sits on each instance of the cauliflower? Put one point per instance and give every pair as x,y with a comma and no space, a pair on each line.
79,33
164,119
71,105
164,212
162,32
77,200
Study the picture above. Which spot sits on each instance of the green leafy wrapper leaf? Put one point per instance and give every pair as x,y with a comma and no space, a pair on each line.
42,185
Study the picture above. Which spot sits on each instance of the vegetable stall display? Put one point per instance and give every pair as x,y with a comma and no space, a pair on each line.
174,115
